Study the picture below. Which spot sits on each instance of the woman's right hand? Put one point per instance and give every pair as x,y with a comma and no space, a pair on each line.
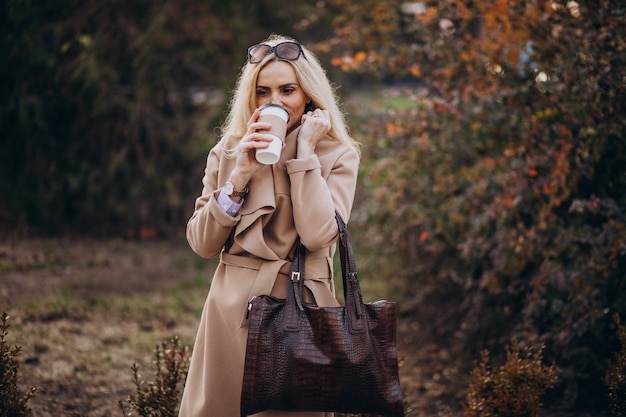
247,165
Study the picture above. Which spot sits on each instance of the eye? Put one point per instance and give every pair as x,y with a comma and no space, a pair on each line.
261,93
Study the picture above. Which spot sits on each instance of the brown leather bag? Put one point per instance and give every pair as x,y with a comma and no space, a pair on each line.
302,357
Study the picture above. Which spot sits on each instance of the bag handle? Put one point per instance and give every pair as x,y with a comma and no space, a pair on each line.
293,303
351,287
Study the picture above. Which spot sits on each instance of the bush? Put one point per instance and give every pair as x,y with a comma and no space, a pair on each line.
13,402
502,189
160,397
512,390
616,377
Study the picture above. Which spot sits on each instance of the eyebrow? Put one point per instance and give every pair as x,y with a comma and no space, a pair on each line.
281,86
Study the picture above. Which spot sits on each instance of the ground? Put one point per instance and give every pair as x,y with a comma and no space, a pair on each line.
85,310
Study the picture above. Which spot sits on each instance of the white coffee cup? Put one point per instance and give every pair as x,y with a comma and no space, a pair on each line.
278,117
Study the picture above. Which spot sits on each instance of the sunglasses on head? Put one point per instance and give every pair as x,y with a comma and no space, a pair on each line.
284,50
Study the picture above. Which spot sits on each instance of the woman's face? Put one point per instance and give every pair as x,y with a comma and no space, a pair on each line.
277,84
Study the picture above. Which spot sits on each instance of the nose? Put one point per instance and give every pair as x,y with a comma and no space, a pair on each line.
276,98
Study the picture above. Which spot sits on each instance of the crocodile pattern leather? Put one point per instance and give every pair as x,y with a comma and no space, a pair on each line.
302,357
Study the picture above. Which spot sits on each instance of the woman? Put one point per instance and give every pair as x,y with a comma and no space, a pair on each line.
251,214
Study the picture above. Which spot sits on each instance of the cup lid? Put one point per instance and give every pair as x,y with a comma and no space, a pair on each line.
276,106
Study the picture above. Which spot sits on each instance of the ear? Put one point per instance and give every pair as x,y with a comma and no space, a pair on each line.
309,106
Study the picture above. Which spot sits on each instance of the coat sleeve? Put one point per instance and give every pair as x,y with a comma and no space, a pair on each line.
209,227
316,195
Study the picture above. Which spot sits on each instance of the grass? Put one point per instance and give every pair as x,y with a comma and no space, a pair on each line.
376,100
85,311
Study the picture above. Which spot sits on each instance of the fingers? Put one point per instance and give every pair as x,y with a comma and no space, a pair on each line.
319,114
247,163
254,125
254,117
319,118
253,139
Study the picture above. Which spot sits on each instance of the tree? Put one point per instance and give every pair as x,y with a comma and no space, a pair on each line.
503,186
108,107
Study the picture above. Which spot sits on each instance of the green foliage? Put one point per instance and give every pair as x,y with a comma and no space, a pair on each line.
13,402
616,376
511,390
503,188
108,108
160,397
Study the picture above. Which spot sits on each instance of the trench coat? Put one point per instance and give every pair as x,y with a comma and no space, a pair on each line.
294,197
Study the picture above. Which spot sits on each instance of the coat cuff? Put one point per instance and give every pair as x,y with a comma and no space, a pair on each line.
306,164
228,205
221,216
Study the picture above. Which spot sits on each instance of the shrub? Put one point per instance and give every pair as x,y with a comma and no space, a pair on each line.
512,390
503,185
160,397
13,400
616,377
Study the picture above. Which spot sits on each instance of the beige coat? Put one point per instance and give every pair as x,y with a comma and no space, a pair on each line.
293,197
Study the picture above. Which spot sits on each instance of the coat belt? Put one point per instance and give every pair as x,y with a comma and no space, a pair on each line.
268,271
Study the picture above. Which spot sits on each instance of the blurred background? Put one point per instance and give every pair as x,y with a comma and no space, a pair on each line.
492,191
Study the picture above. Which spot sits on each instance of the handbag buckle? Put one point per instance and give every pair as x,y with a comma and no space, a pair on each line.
295,276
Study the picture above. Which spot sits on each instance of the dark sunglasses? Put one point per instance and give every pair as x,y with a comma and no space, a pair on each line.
284,50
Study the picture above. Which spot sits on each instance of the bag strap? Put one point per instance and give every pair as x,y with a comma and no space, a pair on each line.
351,287
293,303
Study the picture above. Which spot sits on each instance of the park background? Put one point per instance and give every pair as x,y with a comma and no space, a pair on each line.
491,200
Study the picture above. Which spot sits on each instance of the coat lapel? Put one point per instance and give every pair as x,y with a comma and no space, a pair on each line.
260,202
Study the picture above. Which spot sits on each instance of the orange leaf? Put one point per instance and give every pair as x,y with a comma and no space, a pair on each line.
392,129
337,62
415,71
360,57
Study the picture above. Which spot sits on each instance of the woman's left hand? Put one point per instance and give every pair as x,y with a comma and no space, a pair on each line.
315,125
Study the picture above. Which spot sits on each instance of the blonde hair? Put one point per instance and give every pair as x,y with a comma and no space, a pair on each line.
313,81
